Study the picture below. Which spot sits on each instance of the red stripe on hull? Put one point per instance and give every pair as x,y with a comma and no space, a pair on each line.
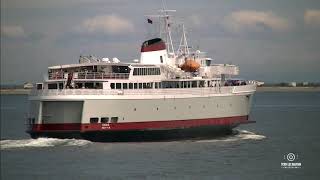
151,125
57,127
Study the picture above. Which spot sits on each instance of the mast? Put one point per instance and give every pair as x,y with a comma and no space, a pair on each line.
183,46
165,28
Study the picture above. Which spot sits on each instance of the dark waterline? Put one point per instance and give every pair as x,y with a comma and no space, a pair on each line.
286,122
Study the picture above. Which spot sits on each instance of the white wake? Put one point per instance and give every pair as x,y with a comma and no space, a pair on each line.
41,142
239,135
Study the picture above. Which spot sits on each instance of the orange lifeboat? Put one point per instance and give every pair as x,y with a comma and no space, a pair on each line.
190,66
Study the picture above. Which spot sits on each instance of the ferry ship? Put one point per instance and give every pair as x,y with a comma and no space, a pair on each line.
167,94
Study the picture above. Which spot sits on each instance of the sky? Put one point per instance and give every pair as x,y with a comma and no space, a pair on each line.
271,40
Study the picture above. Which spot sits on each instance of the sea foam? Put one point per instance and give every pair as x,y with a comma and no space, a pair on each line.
238,135
40,142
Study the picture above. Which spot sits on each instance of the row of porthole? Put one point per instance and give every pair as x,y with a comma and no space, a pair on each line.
135,109
94,120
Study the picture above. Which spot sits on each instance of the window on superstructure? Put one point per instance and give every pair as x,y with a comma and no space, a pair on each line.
184,84
201,83
208,62
60,85
39,86
194,84
135,86
88,85
144,85
94,120
120,69
161,59
125,86
118,85
156,85
140,85
114,119
98,86
112,86
104,120
130,85
53,86
135,71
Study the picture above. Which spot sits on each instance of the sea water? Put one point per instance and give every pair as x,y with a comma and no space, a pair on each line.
286,122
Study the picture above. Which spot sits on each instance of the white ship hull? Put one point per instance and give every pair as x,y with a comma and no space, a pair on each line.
69,115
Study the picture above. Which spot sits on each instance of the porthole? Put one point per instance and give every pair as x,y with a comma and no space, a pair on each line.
104,120
114,119
94,120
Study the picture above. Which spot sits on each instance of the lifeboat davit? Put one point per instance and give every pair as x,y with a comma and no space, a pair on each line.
190,66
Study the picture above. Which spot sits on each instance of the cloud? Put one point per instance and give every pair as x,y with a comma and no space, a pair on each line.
13,31
312,17
249,20
107,24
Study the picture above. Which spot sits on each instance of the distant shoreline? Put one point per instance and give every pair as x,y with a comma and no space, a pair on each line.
15,91
288,89
259,89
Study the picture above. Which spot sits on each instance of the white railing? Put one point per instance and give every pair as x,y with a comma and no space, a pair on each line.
99,75
173,91
89,75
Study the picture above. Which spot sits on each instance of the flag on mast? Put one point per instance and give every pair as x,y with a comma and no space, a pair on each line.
149,21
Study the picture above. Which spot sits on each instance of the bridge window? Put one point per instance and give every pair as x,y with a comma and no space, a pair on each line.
146,71
94,120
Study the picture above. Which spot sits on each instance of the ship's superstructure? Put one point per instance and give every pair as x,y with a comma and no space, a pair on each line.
166,94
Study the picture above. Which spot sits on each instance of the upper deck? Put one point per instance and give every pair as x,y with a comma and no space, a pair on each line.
90,71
